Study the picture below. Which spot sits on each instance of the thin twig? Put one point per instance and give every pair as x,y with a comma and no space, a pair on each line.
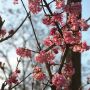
56,23
6,38
21,81
63,59
43,7
88,19
32,26
51,2
81,87
48,7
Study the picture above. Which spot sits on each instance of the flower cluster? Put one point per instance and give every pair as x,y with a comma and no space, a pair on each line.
13,78
71,38
51,20
73,8
48,41
81,47
84,25
68,69
38,74
44,57
76,24
3,32
60,4
57,39
58,80
34,6
22,52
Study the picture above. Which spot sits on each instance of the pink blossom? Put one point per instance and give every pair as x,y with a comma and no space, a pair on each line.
39,76
74,8
57,18
13,78
68,37
57,39
23,52
34,6
83,24
44,57
77,48
68,70
81,47
58,80
59,4
37,69
47,20
84,46
55,50
53,31
48,41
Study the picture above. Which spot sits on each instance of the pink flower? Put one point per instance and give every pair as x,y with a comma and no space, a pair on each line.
47,20
48,41
81,47
44,57
34,6
77,48
57,39
23,52
55,50
53,31
59,4
83,24
58,80
68,37
74,8
37,69
57,18
68,70
39,76
13,78
85,46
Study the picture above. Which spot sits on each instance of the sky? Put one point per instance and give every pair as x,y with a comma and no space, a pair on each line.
86,37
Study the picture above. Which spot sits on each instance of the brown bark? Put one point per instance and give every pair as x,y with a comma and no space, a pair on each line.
76,57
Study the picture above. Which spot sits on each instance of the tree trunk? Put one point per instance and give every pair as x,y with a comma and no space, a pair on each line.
76,60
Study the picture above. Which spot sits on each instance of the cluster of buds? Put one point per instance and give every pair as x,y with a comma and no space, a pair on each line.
13,77
81,47
34,6
22,52
44,57
38,74
59,81
3,32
